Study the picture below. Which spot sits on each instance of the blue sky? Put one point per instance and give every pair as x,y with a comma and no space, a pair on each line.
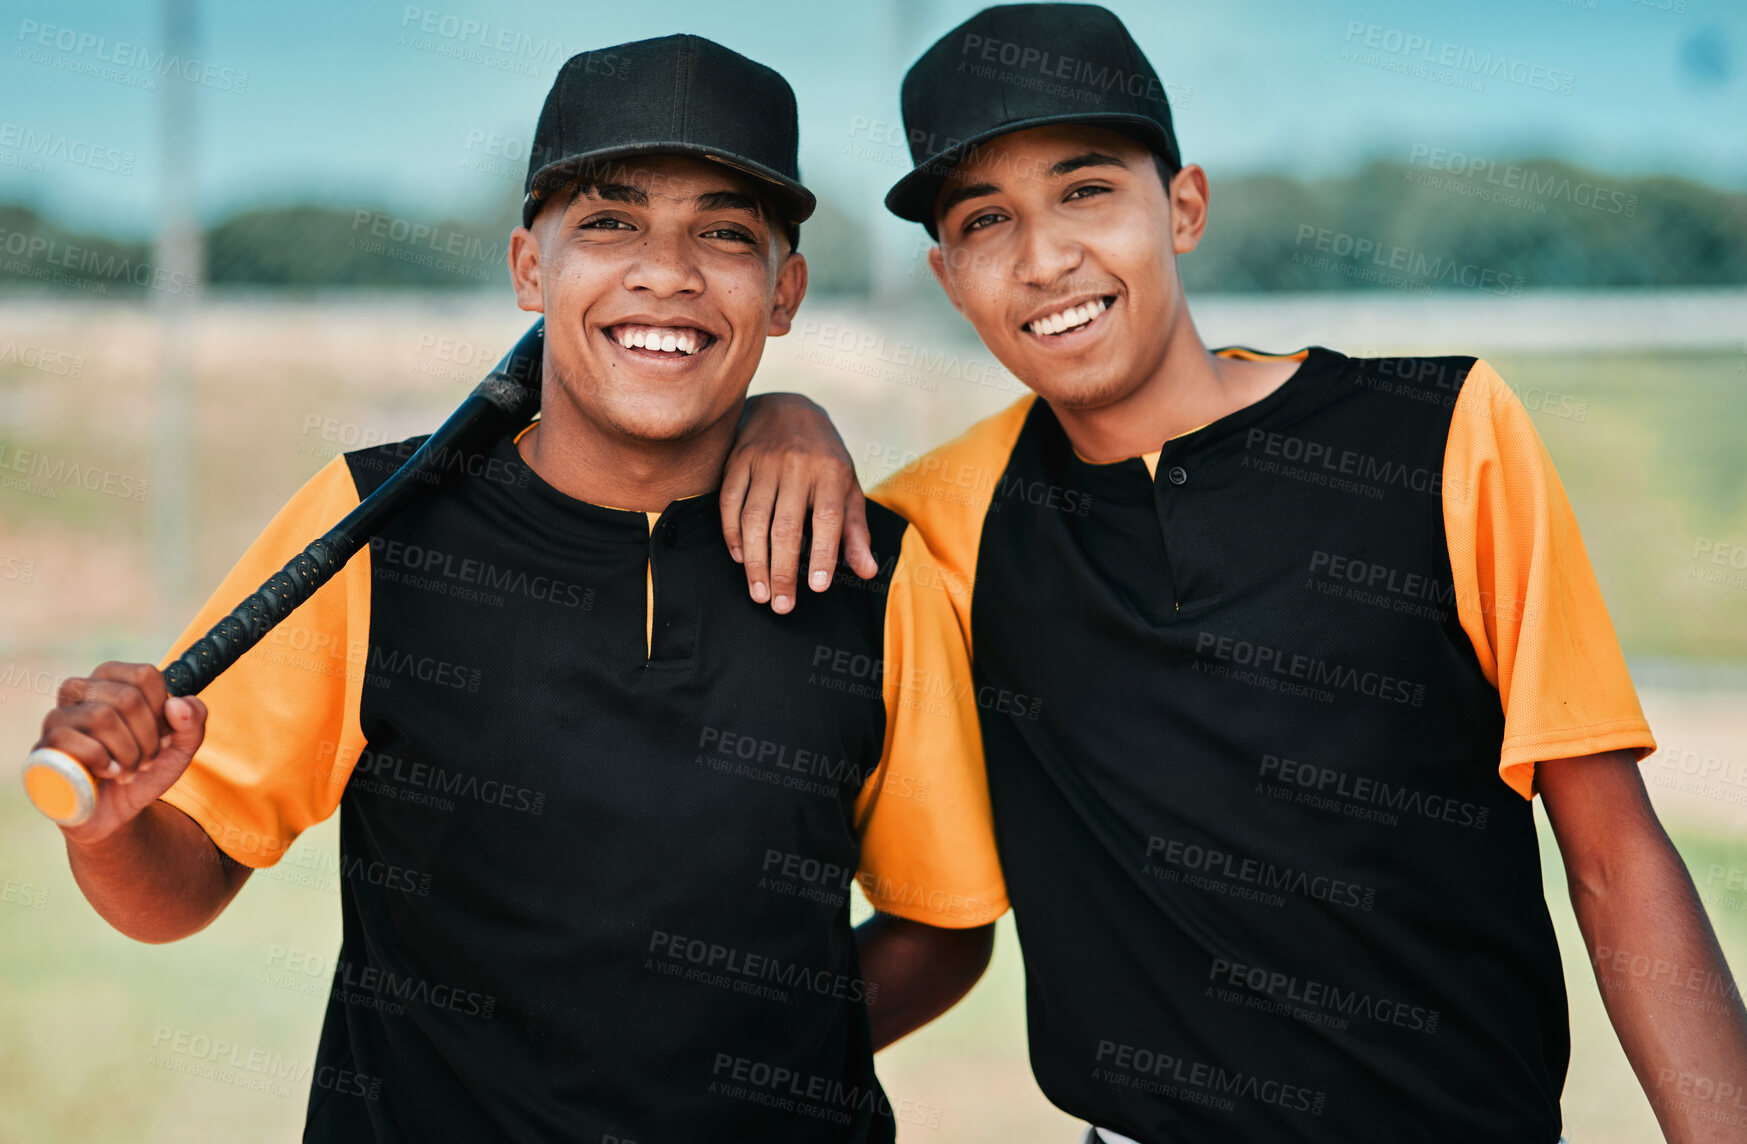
357,104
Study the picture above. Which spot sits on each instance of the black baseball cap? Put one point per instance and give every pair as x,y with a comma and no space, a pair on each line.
1016,66
673,95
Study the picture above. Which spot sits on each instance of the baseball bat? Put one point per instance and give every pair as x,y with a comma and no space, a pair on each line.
509,395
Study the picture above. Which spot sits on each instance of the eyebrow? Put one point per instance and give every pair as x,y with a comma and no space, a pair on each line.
1089,159
730,201
1066,167
637,197
973,191
614,192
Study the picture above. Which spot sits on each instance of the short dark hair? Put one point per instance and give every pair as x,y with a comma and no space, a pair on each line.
767,209
1166,169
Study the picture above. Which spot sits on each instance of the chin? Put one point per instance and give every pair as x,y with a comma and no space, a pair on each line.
658,426
1084,393
660,432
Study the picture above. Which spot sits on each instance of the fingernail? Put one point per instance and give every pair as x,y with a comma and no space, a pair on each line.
759,591
114,768
736,554
819,579
782,603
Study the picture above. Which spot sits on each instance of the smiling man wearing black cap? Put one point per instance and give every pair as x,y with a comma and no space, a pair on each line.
1306,635
600,812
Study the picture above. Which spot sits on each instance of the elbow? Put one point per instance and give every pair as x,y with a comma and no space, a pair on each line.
161,927
1639,864
162,920
152,931
1587,879
950,959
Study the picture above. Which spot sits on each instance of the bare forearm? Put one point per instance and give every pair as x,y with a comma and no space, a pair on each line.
916,972
1669,992
157,879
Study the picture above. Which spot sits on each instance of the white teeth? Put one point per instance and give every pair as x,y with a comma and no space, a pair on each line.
1069,318
659,339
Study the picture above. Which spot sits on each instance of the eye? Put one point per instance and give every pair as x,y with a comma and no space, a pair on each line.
982,221
1089,190
604,222
732,234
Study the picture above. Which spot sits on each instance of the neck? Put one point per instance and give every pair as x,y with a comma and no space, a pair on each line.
1188,388
584,459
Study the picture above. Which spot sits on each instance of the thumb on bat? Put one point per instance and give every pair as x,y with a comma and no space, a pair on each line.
187,718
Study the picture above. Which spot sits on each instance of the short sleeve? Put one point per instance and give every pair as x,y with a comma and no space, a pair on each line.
282,729
945,494
928,841
1525,592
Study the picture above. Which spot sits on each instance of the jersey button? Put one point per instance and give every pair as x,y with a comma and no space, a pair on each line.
1178,474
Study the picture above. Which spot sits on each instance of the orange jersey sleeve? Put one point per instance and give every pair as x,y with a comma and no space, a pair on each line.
928,839
1526,594
282,731
946,493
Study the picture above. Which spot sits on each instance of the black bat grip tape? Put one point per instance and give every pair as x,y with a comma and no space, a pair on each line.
252,619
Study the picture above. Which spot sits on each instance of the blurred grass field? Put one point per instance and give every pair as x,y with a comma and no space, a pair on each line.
1648,446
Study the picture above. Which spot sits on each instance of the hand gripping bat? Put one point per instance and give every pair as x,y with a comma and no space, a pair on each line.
508,397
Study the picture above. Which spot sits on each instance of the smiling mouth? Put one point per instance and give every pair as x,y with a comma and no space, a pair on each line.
660,341
1071,319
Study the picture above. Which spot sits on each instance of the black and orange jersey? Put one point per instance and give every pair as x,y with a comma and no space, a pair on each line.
1263,714
599,812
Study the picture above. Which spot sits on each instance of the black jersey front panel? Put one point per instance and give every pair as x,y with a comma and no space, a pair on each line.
1268,883
573,935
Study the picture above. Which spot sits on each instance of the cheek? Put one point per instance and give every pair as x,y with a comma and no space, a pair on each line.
1137,256
584,280
746,304
979,282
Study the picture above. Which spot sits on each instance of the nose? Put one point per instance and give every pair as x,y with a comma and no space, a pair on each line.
1047,253
664,264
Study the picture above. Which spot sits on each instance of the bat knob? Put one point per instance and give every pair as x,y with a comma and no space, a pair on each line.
60,786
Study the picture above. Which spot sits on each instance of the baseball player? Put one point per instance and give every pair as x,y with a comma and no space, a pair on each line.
1273,653
599,811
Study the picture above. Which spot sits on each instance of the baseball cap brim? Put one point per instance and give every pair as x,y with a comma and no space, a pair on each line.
912,197
794,200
